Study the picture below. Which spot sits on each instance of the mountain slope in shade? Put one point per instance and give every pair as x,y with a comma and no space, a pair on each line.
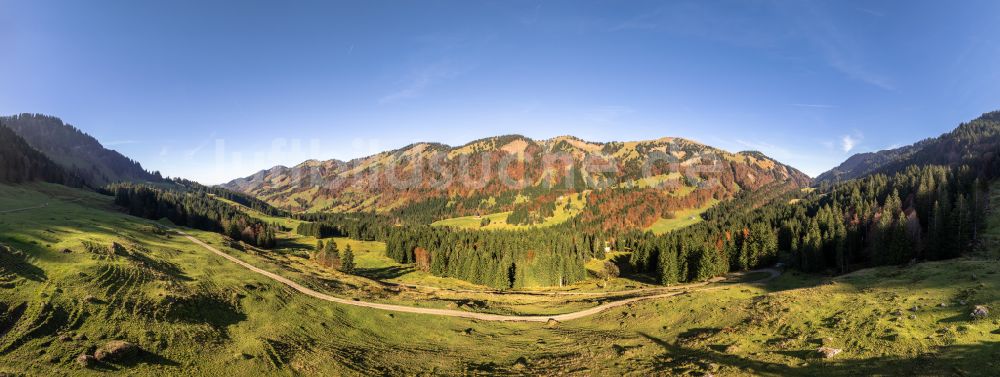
19,162
76,151
968,143
861,164
562,164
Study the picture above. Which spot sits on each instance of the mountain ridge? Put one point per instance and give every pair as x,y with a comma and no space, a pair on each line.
966,143
20,163
77,151
629,159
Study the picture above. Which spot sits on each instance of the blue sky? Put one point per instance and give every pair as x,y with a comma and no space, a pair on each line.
214,90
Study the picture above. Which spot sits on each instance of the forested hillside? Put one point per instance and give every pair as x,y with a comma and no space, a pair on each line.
19,162
195,209
972,143
233,196
76,151
930,208
924,211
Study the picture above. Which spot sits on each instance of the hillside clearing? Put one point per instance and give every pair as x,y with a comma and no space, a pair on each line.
681,219
499,220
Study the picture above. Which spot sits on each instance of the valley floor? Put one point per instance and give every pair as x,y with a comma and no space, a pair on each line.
193,312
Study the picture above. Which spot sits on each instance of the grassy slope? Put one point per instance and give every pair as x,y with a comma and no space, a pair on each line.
210,313
662,181
499,220
214,317
681,219
369,256
282,221
372,263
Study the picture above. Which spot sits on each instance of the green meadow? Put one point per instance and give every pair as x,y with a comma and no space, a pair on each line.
65,290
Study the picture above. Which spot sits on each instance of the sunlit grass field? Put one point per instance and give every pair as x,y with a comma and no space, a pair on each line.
194,313
499,220
681,219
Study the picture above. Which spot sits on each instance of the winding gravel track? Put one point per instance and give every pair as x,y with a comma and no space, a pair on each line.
25,209
40,206
457,313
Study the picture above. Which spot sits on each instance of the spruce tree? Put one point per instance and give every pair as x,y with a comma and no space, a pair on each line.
900,248
961,226
331,254
840,247
813,248
668,265
597,247
705,268
347,261
937,233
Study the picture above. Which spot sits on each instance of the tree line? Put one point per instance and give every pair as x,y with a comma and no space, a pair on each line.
240,198
499,259
922,213
365,226
193,209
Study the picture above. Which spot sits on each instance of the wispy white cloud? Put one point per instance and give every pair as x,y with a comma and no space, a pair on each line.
644,21
855,70
814,105
848,142
423,79
841,52
799,22
703,20
190,153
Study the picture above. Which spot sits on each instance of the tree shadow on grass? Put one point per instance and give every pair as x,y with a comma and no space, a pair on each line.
384,273
142,358
207,308
338,285
967,360
292,243
149,358
798,354
958,318
627,272
159,265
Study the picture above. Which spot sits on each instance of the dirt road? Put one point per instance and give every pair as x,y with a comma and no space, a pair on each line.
562,293
25,209
43,205
454,313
